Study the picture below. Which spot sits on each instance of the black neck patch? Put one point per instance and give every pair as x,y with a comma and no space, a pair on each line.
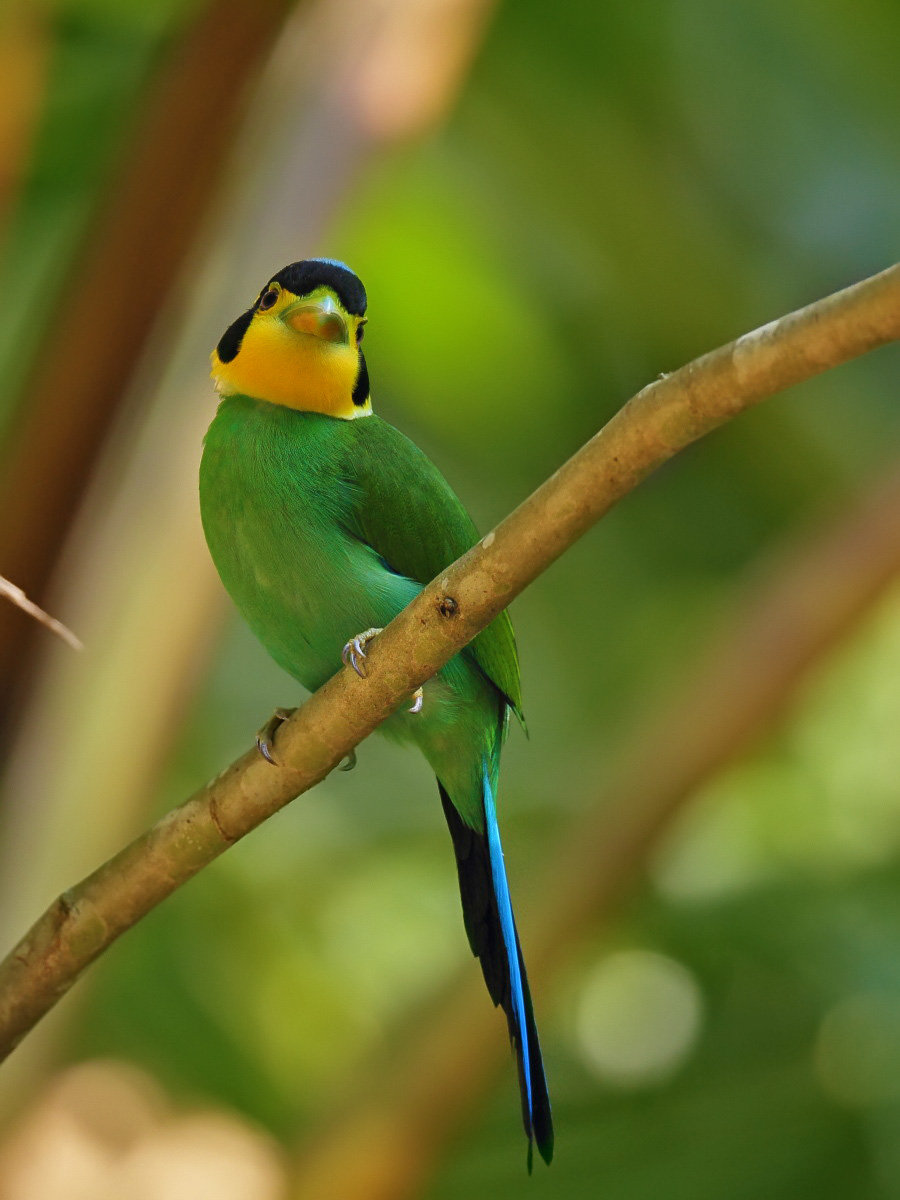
230,341
304,277
360,392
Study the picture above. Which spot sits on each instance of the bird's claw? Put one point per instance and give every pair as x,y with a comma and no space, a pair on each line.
354,653
349,762
265,739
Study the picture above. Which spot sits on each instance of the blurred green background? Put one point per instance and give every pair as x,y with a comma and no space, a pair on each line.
549,207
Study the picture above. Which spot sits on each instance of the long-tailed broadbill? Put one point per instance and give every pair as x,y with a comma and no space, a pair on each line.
324,521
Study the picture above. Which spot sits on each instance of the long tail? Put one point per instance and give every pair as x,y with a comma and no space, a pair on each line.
491,928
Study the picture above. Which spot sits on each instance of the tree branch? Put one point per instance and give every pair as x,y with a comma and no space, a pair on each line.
666,416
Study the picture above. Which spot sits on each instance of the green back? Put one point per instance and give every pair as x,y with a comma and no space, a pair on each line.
408,513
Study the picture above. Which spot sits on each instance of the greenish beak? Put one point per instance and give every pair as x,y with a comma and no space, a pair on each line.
321,318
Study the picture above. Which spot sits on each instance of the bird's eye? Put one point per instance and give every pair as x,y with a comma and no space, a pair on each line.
268,298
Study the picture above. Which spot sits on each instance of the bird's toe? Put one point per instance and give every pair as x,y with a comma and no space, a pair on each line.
354,652
265,739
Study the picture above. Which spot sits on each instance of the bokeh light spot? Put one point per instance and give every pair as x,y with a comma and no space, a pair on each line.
638,1017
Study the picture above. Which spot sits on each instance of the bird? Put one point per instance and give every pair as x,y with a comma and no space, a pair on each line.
324,521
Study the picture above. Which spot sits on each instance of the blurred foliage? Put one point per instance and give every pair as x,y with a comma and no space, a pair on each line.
101,59
618,189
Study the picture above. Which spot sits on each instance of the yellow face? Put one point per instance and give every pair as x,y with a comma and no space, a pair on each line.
299,351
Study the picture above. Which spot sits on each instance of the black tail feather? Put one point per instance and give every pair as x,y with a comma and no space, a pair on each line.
482,921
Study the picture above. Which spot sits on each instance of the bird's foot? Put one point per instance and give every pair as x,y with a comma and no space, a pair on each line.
265,739
349,762
354,653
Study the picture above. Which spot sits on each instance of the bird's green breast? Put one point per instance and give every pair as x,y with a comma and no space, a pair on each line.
322,528
276,499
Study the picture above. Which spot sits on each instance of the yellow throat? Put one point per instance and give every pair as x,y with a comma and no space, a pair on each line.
299,351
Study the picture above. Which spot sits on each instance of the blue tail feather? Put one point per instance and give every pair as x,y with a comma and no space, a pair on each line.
491,929
508,926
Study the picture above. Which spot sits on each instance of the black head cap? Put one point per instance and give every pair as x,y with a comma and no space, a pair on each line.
304,277
300,278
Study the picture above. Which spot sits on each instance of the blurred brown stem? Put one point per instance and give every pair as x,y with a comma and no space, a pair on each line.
107,310
667,415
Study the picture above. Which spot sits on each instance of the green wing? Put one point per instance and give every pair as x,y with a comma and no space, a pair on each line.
408,513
